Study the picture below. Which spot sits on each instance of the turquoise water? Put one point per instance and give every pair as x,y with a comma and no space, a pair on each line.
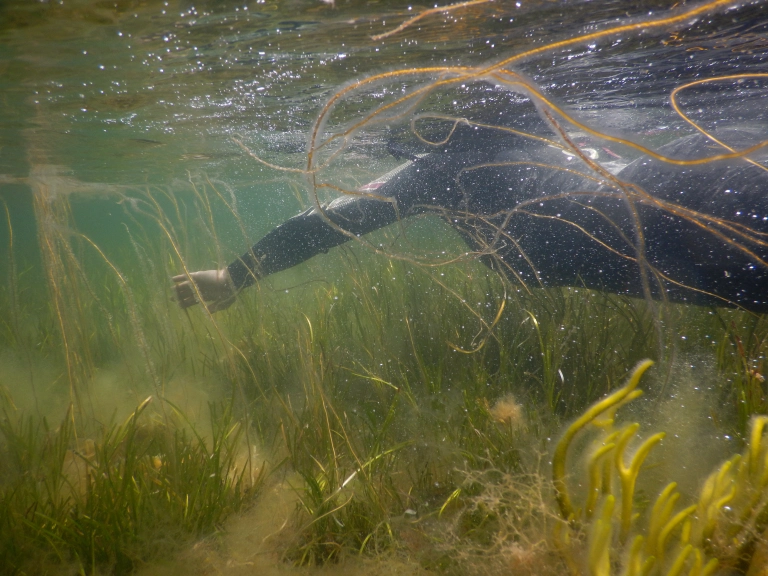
122,118
147,93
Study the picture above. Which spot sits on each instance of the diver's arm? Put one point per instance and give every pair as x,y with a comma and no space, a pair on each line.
291,243
309,234
214,287
411,188
424,183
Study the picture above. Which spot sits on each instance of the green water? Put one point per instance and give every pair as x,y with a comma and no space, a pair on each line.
403,414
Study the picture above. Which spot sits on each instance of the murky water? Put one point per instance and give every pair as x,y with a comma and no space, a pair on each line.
124,126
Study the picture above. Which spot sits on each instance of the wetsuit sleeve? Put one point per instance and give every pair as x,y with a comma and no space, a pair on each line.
426,184
308,234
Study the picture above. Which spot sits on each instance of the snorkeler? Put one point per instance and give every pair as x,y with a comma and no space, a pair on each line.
696,233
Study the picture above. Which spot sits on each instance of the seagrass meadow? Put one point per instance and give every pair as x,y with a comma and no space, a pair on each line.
395,405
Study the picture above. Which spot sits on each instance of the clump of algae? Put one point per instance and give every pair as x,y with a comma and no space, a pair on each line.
609,531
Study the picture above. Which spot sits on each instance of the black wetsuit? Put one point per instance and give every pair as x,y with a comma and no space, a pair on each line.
488,189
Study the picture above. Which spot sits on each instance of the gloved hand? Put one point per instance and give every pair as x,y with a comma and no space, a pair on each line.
214,286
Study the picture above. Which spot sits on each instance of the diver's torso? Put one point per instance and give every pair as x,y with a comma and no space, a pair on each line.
551,217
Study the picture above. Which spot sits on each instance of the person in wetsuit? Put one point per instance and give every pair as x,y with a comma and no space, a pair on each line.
695,234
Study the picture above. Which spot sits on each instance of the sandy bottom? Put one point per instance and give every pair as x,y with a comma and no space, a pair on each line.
251,543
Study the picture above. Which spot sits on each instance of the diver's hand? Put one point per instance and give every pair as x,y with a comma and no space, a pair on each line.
214,286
